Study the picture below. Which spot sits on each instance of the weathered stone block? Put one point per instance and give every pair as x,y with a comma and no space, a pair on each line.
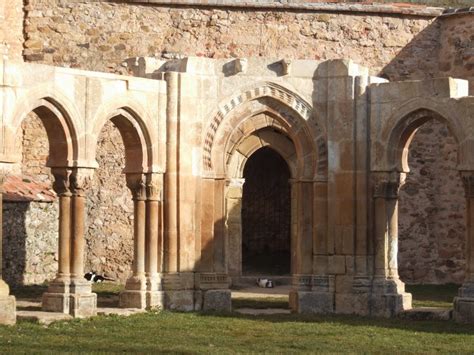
337,264
463,309
217,300
179,300
83,305
312,302
56,302
7,310
133,299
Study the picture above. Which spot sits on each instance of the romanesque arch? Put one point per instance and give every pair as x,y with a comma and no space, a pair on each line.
398,131
266,115
59,119
145,186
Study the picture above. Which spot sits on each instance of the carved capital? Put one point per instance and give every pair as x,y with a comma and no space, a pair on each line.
137,185
154,184
80,181
468,182
61,184
387,184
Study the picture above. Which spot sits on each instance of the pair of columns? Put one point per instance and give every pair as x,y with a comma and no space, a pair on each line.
143,289
69,292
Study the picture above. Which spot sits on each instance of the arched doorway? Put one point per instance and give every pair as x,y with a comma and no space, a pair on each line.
266,208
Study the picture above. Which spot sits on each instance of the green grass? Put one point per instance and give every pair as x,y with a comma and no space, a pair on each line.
204,333
214,333
261,303
433,295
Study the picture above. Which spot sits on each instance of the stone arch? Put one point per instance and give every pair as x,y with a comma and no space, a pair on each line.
402,127
291,112
130,119
58,117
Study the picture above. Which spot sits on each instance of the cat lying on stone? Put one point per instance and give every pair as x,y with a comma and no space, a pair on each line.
265,283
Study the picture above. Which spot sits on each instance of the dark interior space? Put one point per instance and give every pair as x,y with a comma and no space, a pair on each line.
266,204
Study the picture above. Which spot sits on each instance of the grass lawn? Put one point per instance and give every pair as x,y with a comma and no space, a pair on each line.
204,333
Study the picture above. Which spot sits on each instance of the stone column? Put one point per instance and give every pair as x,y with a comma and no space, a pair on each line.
7,302
56,299
83,303
464,302
134,295
388,292
154,294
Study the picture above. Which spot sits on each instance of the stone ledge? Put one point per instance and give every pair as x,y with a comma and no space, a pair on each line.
327,6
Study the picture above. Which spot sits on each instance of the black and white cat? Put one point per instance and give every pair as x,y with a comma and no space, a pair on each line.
92,276
265,283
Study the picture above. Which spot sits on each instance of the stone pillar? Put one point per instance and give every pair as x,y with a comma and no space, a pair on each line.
234,226
134,295
7,302
302,299
154,293
56,299
388,292
83,303
170,252
464,302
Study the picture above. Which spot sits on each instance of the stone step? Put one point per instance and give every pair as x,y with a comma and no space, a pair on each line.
41,317
427,313
264,311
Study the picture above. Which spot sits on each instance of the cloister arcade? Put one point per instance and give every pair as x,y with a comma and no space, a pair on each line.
188,133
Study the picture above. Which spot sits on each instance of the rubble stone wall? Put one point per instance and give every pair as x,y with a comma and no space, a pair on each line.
30,242
432,210
11,28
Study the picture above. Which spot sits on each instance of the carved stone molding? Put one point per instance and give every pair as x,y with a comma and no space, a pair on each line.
154,187
468,182
80,181
387,184
137,185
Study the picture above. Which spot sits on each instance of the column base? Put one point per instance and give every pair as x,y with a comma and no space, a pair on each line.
56,302
179,300
464,304
463,310
134,295
83,305
56,299
311,302
217,301
7,310
389,298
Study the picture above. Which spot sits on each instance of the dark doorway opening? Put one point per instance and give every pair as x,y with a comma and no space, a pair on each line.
266,208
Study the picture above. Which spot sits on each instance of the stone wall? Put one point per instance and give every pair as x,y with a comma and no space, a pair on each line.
11,28
99,36
432,209
109,235
30,240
